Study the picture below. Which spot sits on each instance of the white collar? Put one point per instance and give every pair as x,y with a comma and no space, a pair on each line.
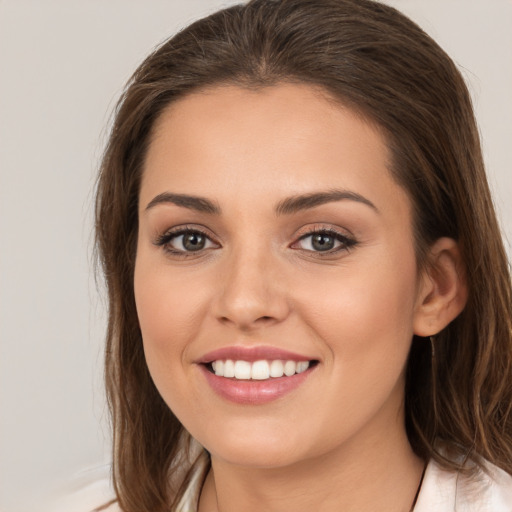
448,491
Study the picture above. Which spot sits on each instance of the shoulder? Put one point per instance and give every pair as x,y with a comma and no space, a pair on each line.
92,491
86,492
447,491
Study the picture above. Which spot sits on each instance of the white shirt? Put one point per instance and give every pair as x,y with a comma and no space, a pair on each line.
441,491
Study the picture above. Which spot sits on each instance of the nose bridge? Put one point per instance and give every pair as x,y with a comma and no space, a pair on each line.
251,290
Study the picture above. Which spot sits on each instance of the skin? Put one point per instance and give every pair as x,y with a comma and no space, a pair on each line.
338,441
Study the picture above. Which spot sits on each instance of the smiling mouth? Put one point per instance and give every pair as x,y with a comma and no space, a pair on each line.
258,370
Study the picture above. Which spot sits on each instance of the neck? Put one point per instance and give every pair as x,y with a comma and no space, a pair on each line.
354,477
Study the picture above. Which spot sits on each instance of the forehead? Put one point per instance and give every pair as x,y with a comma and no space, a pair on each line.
293,137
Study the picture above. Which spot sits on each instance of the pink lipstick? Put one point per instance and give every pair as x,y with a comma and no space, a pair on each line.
255,375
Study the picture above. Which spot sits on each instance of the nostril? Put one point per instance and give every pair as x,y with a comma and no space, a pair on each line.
266,319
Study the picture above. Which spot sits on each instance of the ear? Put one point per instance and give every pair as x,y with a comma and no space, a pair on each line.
443,291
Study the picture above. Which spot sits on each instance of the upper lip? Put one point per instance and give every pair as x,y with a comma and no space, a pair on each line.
251,354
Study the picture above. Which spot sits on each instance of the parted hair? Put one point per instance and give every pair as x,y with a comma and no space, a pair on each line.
374,60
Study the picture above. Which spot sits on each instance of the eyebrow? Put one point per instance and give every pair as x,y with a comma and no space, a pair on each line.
287,206
200,204
306,201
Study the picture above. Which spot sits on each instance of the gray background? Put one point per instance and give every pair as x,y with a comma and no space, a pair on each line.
62,65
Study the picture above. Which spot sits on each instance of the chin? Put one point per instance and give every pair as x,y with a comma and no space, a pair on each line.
256,448
251,457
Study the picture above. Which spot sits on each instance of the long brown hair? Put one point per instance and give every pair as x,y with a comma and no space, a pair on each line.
374,60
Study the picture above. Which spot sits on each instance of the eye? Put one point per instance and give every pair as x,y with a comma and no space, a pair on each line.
324,241
183,241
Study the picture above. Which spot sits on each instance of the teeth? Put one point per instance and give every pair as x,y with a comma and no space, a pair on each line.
219,368
229,369
259,370
302,366
276,369
289,368
242,370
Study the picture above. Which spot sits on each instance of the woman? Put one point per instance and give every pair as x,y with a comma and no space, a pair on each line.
310,302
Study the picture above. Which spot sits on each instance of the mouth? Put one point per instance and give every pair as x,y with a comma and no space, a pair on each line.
255,375
259,370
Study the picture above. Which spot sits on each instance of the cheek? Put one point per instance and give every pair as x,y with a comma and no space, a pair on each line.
365,314
364,319
170,309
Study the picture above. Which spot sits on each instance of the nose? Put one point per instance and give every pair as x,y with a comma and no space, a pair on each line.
251,292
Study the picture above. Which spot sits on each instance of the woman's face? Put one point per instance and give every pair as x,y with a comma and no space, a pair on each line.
272,235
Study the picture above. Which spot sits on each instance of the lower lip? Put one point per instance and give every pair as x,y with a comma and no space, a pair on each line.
254,392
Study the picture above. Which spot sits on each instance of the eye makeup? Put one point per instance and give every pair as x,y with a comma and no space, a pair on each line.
192,239
324,241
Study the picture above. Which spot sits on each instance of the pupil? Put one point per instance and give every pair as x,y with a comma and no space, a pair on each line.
323,242
193,241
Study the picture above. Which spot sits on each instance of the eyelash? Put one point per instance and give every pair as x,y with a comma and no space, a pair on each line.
346,242
164,240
